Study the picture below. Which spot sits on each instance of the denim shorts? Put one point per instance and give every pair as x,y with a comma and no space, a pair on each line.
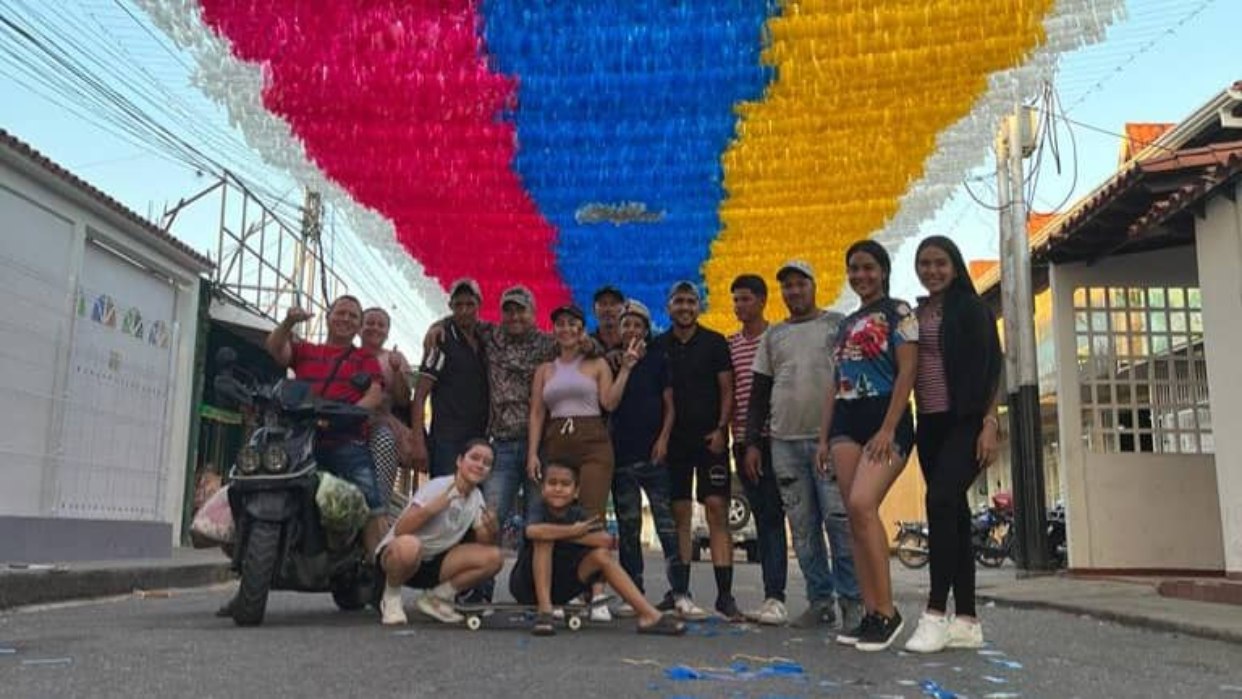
351,460
858,420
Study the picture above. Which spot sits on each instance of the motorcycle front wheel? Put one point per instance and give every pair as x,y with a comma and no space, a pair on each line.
912,550
996,548
257,571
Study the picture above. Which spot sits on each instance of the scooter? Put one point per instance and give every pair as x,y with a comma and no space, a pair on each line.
280,543
992,531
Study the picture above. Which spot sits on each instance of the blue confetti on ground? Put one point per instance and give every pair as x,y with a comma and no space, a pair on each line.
1009,664
737,671
935,691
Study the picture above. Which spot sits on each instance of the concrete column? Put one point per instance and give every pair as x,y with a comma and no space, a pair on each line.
1218,243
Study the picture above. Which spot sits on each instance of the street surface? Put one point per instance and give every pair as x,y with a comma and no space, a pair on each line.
173,646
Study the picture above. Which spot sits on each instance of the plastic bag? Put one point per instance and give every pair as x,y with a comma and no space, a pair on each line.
342,509
213,523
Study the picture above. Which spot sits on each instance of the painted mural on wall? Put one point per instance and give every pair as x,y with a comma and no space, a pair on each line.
103,310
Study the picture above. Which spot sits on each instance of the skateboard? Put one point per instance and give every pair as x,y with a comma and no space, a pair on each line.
523,616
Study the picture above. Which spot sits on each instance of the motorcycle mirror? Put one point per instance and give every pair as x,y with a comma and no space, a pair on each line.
226,357
361,382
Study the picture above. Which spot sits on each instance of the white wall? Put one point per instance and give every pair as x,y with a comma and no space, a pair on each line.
35,254
37,211
1218,236
1131,510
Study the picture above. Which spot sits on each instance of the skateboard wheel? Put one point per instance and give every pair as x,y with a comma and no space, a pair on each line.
574,623
474,623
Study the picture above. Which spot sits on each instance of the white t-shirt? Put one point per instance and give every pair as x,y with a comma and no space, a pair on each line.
444,530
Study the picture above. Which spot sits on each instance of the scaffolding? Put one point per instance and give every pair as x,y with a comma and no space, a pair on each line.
264,263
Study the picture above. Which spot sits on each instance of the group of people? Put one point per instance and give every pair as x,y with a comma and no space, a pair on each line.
812,414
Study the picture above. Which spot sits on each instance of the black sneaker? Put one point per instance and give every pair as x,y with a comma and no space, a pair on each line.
849,637
727,608
881,634
668,604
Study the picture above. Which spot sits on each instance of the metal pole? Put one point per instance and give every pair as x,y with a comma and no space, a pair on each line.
1030,536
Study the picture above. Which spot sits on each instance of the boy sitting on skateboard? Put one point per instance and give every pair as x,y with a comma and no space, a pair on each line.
565,553
426,547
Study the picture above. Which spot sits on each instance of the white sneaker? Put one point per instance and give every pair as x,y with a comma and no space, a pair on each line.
965,634
772,613
600,613
688,610
624,611
438,609
931,636
391,611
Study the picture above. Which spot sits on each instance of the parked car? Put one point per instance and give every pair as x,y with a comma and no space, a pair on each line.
741,526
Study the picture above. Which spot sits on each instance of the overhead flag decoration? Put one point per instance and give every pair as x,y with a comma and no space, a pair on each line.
634,142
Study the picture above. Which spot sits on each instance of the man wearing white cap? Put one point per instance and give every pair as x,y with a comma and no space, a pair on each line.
791,374
641,426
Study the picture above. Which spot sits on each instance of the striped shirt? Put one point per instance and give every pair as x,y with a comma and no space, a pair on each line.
931,390
742,353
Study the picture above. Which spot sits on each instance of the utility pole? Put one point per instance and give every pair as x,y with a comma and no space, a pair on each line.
309,263
1021,367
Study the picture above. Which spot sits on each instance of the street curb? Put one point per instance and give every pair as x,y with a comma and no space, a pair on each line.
1136,620
23,588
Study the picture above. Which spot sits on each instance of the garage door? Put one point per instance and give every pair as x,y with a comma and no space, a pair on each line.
115,462
35,248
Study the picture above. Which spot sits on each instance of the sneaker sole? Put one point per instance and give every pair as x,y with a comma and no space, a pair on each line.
964,646
876,647
847,640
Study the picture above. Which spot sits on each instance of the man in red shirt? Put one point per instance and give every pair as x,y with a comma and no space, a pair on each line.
329,368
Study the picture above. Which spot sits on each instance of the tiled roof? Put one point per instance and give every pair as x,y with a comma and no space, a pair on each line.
25,151
1139,135
979,268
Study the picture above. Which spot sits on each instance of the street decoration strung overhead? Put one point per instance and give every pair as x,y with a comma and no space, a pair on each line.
566,145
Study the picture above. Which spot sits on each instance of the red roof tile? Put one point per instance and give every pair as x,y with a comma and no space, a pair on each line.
978,268
26,151
1139,135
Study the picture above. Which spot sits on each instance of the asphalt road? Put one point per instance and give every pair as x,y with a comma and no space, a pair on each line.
175,647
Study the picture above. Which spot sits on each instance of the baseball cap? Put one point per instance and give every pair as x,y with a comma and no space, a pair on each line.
800,266
463,285
684,286
634,307
570,309
606,290
520,295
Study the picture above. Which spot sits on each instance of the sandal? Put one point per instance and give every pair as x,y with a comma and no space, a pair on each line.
668,625
543,625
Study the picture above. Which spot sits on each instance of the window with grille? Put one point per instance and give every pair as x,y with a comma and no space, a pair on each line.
1142,370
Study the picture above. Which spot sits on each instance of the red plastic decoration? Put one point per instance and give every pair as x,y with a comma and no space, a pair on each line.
394,101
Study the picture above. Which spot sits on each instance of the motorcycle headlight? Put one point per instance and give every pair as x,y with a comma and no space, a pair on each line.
248,460
275,459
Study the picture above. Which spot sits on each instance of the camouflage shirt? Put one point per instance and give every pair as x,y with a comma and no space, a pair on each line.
511,365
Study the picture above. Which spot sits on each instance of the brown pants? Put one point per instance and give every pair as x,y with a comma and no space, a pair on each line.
583,443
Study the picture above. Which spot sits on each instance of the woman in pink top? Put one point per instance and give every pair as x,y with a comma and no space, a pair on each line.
568,398
956,390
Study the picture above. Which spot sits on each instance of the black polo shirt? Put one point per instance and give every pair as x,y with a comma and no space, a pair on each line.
459,398
695,365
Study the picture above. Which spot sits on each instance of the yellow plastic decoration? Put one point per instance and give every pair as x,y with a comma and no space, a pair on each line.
863,88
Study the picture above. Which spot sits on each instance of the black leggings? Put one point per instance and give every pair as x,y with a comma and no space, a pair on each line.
946,446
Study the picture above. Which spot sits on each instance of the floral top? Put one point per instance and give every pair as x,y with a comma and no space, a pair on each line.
866,348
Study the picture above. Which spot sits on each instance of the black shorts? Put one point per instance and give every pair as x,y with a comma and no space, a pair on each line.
428,574
566,559
698,471
859,419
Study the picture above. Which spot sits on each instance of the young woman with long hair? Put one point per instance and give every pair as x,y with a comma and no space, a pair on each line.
868,429
956,392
